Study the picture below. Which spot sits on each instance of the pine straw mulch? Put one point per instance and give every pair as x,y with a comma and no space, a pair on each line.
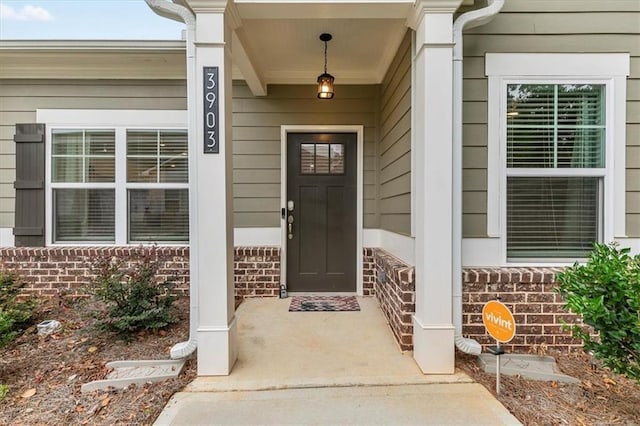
601,397
44,374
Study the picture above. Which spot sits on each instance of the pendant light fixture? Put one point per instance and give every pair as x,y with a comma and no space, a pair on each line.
325,80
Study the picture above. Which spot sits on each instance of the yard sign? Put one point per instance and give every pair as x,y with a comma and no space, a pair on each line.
498,321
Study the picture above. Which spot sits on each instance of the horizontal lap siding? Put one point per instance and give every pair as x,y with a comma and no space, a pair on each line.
19,100
394,148
256,148
256,122
547,26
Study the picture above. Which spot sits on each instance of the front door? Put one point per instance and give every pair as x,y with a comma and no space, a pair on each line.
321,212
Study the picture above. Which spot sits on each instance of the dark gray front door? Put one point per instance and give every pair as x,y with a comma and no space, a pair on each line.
321,212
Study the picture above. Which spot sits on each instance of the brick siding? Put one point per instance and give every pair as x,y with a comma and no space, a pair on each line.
528,293
395,290
368,272
257,272
52,271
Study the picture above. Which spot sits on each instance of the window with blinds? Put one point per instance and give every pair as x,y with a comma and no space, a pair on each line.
555,166
95,200
83,185
157,181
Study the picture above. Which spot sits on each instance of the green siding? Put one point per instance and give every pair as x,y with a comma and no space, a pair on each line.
394,148
547,26
256,130
256,146
19,100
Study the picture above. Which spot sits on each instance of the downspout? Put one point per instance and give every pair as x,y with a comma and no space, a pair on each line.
178,12
467,20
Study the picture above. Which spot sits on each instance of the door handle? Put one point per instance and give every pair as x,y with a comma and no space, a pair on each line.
290,226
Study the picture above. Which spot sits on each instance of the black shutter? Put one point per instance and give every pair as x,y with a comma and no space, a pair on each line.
29,185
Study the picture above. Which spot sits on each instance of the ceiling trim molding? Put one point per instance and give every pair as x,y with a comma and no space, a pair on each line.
305,77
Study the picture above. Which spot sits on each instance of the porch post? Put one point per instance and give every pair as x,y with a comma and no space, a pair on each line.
433,330
212,243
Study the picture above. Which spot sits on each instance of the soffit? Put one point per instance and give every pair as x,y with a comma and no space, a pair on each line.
280,43
288,51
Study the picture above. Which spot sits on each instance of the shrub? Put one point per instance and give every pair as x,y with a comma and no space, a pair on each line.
15,314
606,292
135,298
4,390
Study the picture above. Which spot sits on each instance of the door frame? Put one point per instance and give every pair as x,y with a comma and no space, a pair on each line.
359,131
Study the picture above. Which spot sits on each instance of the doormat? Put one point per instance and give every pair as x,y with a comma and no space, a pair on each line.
323,303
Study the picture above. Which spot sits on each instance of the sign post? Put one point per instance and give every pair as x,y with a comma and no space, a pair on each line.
501,325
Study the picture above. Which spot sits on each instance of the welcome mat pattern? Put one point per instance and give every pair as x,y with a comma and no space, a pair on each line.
323,303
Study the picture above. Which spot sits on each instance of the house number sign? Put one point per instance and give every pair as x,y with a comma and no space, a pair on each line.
210,111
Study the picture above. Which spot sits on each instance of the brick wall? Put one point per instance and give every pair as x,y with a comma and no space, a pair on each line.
257,272
528,292
368,272
395,290
51,271
67,270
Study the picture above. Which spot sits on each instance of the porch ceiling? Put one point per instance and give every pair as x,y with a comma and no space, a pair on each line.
279,40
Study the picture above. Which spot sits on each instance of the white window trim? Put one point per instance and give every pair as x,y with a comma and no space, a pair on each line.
120,121
610,69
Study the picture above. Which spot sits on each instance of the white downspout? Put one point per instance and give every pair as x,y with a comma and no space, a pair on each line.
177,12
470,19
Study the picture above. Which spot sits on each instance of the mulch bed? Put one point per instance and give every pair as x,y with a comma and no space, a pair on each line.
601,397
44,374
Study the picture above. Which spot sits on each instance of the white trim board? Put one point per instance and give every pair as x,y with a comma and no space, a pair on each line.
119,121
609,69
398,245
6,237
359,131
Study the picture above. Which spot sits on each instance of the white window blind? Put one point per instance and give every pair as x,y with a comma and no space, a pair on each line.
158,203
555,160
83,176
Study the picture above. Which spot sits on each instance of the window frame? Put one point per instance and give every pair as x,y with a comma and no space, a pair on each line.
609,70
51,186
120,121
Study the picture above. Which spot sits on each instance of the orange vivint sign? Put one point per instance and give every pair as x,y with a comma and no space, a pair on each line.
498,321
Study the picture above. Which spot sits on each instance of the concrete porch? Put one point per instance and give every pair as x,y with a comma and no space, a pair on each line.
327,368
282,349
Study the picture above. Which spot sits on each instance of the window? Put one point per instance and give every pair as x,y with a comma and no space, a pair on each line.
156,211
554,129
83,182
555,154
322,158
116,177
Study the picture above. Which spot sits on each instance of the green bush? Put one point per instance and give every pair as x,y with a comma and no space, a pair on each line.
15,314
4,390
606,292
135,298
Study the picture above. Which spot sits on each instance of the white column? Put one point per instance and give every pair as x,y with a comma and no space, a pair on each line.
212,245
433,332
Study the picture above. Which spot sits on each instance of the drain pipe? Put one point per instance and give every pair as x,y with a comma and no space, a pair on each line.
181,13
467,20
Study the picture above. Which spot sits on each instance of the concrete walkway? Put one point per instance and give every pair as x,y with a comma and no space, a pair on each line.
327,368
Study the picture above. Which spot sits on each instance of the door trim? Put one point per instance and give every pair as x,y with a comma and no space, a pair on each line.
359,131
